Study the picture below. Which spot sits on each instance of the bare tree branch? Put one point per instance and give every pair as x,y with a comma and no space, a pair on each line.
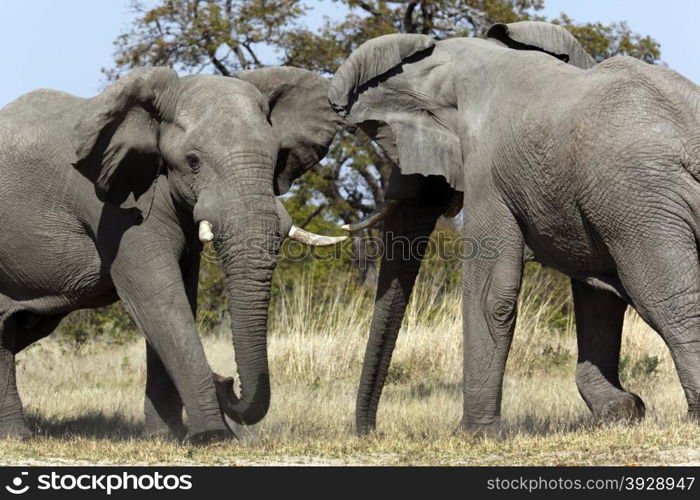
408,24
219,65
313,214
427,13
368,8
252,54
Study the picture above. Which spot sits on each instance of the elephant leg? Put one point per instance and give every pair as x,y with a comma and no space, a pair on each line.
162,403
12,420
599,318
15,335
157,301
662,278
491,284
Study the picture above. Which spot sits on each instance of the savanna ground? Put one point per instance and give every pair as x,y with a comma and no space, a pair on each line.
85,401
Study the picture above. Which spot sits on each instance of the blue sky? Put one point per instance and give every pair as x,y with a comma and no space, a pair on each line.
63,45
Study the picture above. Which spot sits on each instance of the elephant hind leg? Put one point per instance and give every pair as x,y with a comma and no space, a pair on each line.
662,278
12,420
599,318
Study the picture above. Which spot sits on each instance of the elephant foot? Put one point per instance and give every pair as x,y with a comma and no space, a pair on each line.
694,412
166,429
210,436
481,429
15,430
164,433
365,428
629,408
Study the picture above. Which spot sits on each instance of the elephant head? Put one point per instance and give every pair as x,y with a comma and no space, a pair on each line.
228,147
402,91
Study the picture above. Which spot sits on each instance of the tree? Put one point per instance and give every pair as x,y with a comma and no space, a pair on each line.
223,36
219,36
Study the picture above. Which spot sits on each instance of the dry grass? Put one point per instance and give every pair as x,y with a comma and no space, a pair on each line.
86,404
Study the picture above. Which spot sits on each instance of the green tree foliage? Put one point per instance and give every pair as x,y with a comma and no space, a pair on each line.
110,323
220,36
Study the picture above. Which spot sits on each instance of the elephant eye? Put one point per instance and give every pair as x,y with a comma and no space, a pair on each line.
193,161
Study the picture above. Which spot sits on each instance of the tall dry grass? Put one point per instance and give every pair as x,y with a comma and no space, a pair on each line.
86,403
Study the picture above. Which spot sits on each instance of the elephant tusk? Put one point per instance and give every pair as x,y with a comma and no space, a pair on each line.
374,218
316,240
205,234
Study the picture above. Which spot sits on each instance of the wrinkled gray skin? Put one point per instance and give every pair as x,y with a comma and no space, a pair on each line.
591,169
228,146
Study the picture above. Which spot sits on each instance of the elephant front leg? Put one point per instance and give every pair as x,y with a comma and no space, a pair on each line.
157,301
162,403
491,283
599,318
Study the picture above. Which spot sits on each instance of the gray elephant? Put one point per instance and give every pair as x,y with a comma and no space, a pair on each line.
88,219
591,168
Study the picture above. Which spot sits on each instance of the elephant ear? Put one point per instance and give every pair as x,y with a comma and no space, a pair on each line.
370,60
116,139
544,37
376,88
301,117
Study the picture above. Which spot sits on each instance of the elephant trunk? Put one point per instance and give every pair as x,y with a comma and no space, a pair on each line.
249,253
399,268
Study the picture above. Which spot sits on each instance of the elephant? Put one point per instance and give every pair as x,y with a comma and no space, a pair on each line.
111,198
590,169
